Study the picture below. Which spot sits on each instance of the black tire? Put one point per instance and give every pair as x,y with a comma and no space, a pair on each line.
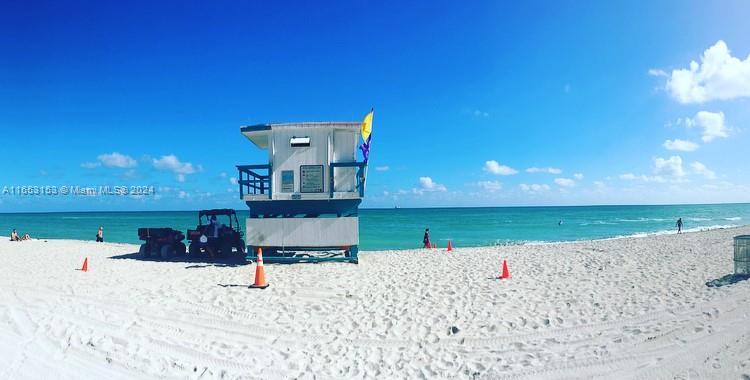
155,250
194,250
167,252
144,251
211,251
180,249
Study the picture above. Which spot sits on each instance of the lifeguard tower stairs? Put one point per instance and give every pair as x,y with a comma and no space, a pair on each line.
304,201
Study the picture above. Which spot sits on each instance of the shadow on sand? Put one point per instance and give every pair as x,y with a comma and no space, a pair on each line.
197,262
727,280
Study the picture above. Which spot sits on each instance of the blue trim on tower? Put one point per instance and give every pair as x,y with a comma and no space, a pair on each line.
303,208
256,128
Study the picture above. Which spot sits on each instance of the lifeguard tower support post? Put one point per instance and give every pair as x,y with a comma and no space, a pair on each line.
306,198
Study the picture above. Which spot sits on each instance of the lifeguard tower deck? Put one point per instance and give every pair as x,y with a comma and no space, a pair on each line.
304,202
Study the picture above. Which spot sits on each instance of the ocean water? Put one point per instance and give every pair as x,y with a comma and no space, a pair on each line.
403,228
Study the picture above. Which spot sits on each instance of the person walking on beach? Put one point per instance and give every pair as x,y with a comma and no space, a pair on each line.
679,225
426,239
100,235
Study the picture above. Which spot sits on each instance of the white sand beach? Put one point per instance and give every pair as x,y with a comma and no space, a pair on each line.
630,308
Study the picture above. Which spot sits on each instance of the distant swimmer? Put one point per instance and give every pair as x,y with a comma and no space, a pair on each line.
679,225
559,223
426,239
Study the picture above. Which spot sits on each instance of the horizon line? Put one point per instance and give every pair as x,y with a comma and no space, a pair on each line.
408,208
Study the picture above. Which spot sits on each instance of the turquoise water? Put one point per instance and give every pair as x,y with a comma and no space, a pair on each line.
403,228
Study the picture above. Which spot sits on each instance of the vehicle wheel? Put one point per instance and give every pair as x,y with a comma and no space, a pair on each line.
179,249
194,250
155,250
167,251
144,251
226,249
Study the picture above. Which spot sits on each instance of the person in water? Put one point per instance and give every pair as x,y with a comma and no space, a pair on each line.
100,235
679,225
426,239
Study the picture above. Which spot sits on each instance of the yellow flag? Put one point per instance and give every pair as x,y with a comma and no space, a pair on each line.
367,125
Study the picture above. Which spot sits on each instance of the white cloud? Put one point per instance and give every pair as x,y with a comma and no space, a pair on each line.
566,88
91,165
183,195
644,178
233,180
116,160
681,145
543,170
490,186
718,76
382,168
671,167
427,184
565,182
495,167
534,188
701,169
172,163
477,113
599,184
712,124
578,176
657,73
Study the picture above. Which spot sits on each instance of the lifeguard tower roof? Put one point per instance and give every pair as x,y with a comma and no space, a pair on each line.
259,133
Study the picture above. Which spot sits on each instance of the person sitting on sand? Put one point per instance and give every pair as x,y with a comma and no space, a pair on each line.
14,236
100,235
679,225
426,239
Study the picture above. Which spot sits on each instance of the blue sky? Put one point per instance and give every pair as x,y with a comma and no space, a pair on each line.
599,97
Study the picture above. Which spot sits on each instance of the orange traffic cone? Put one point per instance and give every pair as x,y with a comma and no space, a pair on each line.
260,273
505,274
85,267
450,246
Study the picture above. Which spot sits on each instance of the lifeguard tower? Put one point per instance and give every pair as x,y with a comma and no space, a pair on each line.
304,202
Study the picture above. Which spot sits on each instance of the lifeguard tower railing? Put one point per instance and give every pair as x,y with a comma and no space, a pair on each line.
252,182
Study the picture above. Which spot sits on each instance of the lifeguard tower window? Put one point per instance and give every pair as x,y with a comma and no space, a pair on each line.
297,142
287,181
311,178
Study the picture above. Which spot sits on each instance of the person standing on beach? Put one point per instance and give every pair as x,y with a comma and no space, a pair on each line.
14,236
679,225
100,235
426,239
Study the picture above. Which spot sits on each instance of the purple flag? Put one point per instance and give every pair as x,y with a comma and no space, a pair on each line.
365,147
